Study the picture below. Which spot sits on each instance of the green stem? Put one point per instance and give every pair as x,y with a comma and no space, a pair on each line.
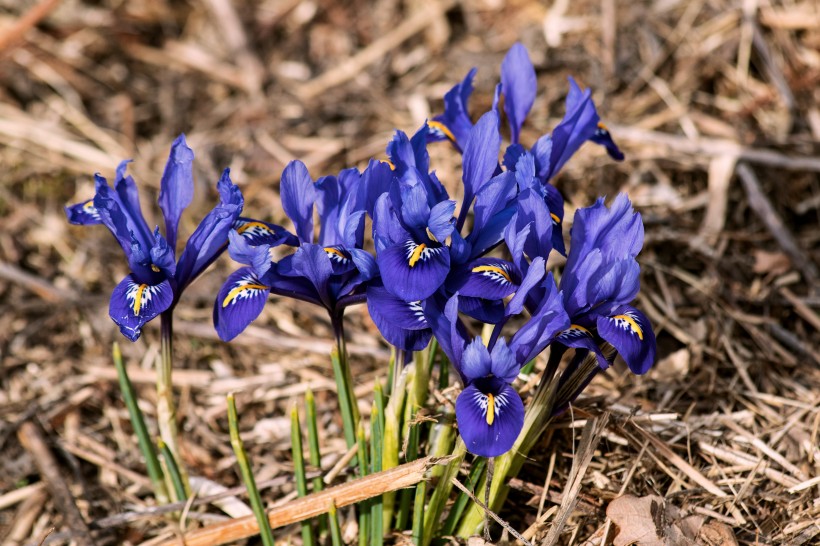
376,444
418,514
344,384
166,408
299,471
314,452
172,470
138,423
247,475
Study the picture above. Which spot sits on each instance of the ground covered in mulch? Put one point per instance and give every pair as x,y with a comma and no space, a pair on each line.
715,104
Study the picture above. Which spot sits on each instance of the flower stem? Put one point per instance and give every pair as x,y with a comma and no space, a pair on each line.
166,408
344,384
138,424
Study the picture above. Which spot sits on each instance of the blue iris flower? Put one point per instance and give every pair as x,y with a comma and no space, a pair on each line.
157,278
419,246
489,412
518,85
331,271
600,280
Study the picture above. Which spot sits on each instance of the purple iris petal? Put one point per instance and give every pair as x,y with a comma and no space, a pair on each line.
518,84
482,310
238,303
401,323
456,117
488,278
475,361
210,237
134,303
490,416
112,216
504,363
533,211
176,187
480,156
629,331
580,338
83,214
603,138
242,251
614,284
441,223
442,316
387,229
162,255
298,195
548,320
617,230
256,232
313,263
555,204
129,201
376,180
413,271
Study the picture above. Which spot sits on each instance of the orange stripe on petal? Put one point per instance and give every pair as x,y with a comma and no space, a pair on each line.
234,293
492,269
633,324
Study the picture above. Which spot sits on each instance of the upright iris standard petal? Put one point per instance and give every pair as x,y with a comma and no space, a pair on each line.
129,201
83,214
475,361
480,156
256,256
456,118
413,271
518,84
490,415
313,263
617,230
548,320
629,331
505,365
211,235
238,303
298,196
134,303
176,187
614,283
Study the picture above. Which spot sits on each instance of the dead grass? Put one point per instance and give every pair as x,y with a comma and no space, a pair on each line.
714,102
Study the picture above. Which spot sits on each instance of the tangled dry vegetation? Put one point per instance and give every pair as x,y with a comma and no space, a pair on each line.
714,102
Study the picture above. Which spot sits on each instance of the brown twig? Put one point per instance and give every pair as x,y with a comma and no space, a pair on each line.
315,504
764,209
34,441
12,36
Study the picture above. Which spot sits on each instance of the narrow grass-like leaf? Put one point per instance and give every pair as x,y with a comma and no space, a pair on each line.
172,469
432,516
314,452
247,474
299,471
376,444
391,446
364,507
343,390
418,514
149,454
335,529
458,507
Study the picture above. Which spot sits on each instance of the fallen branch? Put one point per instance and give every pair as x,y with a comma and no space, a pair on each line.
313,505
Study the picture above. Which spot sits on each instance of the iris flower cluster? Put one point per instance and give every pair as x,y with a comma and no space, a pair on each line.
435,266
